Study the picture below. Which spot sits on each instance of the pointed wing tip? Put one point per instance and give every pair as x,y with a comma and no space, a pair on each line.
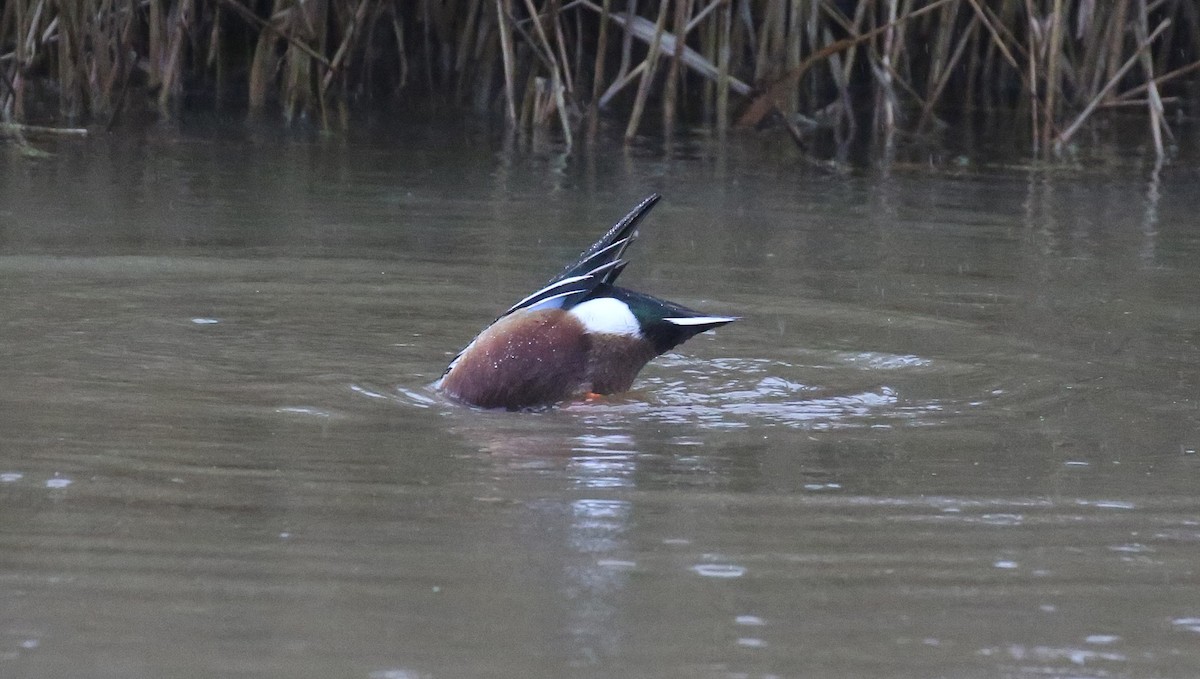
640,209
644,206
710,321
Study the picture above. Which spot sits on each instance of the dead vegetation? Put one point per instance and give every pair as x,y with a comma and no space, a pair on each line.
899,64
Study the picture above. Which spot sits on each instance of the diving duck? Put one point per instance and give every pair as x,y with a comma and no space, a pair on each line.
577,334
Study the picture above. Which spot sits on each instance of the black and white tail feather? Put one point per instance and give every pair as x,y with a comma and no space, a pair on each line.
599,264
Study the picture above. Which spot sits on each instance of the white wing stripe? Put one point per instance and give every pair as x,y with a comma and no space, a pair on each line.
540,302
602,267
605,249
548,288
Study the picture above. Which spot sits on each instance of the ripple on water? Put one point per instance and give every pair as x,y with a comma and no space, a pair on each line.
416,398
397,674
741,393
719,570
858,390
1106,504
1051,654
1190,624
877,361
304,410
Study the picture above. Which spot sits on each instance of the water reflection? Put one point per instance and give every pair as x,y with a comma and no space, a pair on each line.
1150,220
598,529
603,461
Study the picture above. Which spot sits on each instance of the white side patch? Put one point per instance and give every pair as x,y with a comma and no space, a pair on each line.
700,320
607,315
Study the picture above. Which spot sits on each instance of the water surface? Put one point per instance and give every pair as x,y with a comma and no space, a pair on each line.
954,435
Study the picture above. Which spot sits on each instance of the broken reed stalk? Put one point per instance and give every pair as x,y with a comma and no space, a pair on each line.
651,62
343,51
682,9
557,84
767,102
1158,122
1071,129
885,96
723,55
1053,55
503,17
939,85
598,71
1160,80
172,78
729,59
19,129
1035,103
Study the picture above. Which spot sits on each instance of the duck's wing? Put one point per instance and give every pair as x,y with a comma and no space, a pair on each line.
599,264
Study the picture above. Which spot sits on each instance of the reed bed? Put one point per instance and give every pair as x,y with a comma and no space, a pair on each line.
871,67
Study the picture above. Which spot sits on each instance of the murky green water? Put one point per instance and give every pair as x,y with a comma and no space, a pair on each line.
955,434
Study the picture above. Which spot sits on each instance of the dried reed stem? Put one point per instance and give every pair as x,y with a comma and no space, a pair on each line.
639,103
1158,122
723,56
1071,129
300,58
682,9
1052,80
598,71
503,18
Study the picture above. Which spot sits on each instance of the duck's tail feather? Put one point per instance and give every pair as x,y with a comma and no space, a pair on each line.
599,264
611,245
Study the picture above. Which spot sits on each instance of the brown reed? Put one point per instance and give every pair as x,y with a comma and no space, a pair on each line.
561,63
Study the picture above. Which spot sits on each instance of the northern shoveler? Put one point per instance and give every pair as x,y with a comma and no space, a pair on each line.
579,333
